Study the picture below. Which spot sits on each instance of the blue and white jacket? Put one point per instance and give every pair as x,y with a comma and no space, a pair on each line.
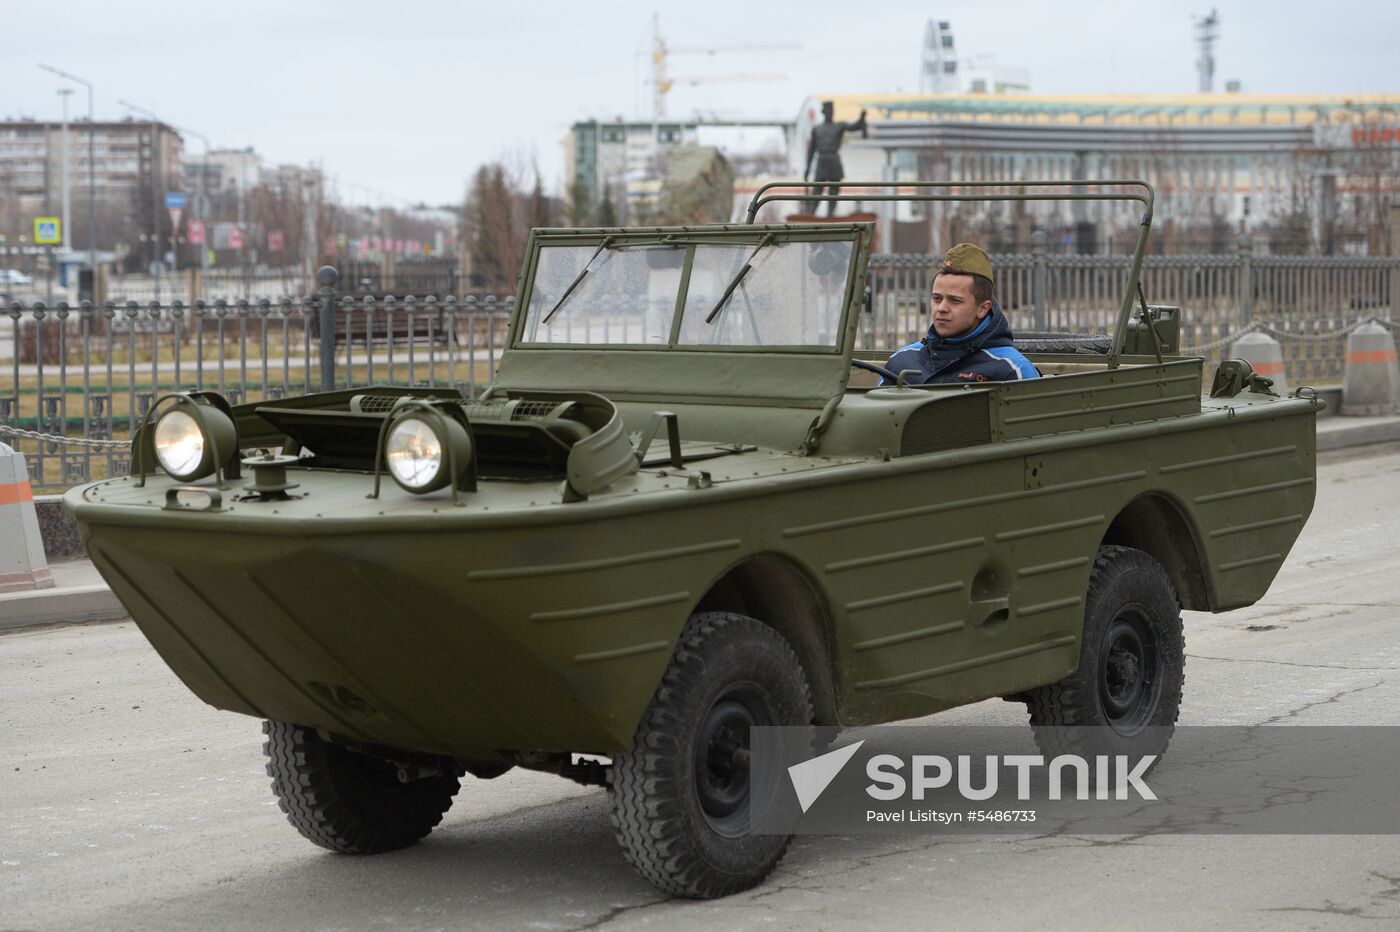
984,355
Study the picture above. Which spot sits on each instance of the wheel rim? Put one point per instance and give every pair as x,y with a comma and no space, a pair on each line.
722,761
1130,672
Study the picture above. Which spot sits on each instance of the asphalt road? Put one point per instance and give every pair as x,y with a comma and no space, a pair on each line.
127,804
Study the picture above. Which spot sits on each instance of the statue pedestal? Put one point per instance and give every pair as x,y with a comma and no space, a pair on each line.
858,217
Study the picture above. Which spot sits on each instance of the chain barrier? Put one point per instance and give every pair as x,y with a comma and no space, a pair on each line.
59,438
1313,337
1223,341
1287,335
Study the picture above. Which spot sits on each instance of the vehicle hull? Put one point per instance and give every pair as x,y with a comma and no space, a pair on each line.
940,579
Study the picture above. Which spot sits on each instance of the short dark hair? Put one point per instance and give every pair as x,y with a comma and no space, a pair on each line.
981,285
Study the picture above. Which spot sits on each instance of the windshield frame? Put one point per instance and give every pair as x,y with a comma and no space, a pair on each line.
856,235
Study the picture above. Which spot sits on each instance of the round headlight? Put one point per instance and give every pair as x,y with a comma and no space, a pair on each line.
192,440
415,455
179,444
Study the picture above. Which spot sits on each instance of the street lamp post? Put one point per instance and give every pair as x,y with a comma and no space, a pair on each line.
92,168
201,207
65,242
156,239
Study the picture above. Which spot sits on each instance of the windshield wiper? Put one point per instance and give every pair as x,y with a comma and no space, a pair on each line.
607,241
729,291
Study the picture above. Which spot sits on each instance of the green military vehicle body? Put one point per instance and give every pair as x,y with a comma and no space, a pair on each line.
675,515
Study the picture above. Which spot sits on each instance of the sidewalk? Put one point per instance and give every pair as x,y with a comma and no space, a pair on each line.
79,595
1337,432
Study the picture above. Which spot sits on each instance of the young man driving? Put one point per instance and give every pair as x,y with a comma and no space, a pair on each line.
968,338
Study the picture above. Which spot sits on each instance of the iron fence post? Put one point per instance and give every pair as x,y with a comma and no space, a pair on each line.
326,277
1393,304
1040,280
1245,250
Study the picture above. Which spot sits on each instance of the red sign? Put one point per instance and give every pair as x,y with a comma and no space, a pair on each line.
197,232
1376,135
274,240
235,238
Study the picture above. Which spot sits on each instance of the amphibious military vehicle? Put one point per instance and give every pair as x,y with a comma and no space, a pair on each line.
675,514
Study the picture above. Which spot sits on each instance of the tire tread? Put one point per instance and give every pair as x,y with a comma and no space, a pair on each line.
1057,707
646,817
334,810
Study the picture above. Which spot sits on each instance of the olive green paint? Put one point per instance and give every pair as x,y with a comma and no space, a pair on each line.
931,545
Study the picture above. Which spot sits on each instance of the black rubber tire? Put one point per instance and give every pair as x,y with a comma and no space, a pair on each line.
348,802
1073,716
657,812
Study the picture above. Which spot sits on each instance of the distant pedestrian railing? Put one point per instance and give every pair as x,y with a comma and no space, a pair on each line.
83,372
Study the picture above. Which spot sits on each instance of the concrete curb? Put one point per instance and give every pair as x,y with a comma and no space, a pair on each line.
69,605
1337,434
96,602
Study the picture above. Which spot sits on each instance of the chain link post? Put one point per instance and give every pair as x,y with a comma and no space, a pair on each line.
326,277
1245,247
1394,304
1040,281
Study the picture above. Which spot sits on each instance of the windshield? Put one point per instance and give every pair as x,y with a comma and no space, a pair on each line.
791,296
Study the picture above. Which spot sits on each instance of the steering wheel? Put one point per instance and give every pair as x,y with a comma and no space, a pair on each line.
878,370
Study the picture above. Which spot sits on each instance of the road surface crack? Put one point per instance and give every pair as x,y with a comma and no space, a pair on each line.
618,911
1291,663
1335,697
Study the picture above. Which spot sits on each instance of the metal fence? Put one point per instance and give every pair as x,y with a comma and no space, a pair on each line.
89,374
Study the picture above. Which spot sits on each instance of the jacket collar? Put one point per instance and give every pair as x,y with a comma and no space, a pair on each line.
971,334
988,323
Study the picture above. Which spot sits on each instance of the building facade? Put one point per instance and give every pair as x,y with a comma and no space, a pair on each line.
127,171
1321,168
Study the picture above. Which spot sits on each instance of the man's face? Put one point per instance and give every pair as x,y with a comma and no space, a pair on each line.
955,310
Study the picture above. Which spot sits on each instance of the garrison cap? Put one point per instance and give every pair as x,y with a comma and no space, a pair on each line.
967,259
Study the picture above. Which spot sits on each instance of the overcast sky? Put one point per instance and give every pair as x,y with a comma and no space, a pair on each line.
401,101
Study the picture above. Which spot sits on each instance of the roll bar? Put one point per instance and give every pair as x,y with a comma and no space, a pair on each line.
1144,197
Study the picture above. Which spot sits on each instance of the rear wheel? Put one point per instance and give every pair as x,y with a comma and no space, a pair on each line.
681,792
1126,693
349,802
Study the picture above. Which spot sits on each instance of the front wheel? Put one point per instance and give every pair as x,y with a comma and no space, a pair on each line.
681,792
1125,695
350,802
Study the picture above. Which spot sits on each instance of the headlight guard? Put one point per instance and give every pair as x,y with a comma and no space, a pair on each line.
425,446
194,437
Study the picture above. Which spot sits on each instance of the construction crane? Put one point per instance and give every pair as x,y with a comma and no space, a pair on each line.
662,81
1207,31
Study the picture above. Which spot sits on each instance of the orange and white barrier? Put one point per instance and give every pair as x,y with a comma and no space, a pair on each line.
1371,380
1265,357
22,562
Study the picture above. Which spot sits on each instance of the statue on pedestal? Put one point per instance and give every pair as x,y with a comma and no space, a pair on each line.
825,145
